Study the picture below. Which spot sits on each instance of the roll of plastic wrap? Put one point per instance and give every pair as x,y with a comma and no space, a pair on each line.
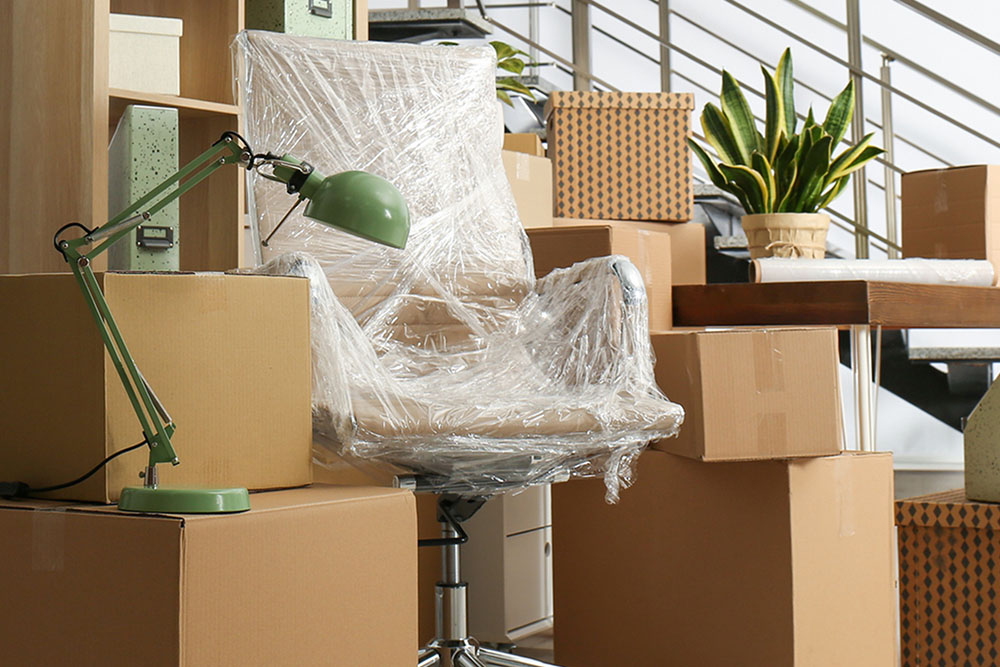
974,272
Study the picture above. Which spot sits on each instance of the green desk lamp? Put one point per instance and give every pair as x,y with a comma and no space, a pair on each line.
354,201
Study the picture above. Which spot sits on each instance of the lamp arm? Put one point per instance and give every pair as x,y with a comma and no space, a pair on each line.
157,426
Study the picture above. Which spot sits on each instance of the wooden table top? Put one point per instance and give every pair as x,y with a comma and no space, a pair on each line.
838,303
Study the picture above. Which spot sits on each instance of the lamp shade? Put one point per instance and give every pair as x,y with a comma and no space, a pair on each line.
359,203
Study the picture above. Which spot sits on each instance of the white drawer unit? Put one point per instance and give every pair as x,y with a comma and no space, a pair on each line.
508,565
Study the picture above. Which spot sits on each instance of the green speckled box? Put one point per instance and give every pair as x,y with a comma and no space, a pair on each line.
982,449
333,19
142,154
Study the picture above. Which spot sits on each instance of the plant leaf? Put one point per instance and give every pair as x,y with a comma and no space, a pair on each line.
504,97
810,121
750,182
786,191
736,109
763,167
447,43
838,116
718,133
713,170
832,193
786,83
842,163
813,175
774,123
515,65
514,86
503,49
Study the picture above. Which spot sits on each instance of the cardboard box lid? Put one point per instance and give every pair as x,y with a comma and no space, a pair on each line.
947,509
148,25
956,168
581,99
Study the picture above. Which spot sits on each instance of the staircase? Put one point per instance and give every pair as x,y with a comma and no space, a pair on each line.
925,116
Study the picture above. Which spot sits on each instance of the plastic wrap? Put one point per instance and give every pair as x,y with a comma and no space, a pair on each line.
922,271
447,358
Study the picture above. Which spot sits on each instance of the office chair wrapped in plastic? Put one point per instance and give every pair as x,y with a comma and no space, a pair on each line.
447,360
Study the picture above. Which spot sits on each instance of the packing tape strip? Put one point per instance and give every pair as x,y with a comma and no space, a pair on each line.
844,490
772,432
48,539
768,362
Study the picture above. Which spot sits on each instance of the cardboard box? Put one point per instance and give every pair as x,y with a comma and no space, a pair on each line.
687,245
952,213
767,563
315,576
529,143
621,156
144,53
752,393
948,596
531,182
649,251
228,355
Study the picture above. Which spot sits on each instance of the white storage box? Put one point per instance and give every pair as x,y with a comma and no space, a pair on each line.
144,53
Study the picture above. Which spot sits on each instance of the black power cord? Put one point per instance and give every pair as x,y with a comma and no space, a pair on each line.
21,490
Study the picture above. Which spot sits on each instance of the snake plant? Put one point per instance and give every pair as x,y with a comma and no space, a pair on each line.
784,169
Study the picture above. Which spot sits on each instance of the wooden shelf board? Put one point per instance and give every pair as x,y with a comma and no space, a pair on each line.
186,106
837,303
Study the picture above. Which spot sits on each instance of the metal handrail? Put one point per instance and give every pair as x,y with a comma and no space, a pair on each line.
956,27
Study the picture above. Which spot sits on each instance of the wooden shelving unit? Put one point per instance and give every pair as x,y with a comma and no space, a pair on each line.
58,114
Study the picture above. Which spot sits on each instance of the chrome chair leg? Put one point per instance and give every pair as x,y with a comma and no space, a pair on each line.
428,657
467,659
501,659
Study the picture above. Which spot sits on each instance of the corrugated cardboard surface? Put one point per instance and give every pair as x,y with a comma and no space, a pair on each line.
621,156
228,355
523,143
766,563
649,251
687,245
949,549
952,213
752,393
314,576
531,182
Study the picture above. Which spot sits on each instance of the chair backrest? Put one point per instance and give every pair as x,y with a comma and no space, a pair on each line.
424,117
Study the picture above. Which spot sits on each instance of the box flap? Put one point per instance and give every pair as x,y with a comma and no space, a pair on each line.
150,25
581,99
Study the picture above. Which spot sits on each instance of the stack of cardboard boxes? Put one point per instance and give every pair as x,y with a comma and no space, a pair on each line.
311,574
751,538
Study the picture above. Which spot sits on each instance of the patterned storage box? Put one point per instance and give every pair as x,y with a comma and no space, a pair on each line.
949,580
620,156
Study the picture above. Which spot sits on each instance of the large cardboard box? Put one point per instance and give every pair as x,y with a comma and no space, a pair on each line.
316,576
687,245
952,213
948,594
767,563
526,142
531,182
649,251
228,355
621,156
752,393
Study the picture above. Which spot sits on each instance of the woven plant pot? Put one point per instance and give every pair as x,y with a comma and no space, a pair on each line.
786,234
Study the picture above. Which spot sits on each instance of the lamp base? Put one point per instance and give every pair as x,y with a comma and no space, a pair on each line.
183,501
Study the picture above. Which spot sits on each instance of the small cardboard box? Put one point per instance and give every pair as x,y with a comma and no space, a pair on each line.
531,182
752,393
952,213
948,594
315,576
766,563
621,156
528,142
228,355
144,53
649,250
687,245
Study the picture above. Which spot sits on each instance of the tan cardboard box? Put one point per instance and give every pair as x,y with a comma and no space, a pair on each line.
649,251
687,245
523,143
767,563
531,182
952,213
752,393
315,576
621,156
228,355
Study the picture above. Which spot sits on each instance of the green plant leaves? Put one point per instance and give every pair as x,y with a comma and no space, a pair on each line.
774,122
719,134
713,170
838,117
786,84
750,183
513,85
763,167
741,121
